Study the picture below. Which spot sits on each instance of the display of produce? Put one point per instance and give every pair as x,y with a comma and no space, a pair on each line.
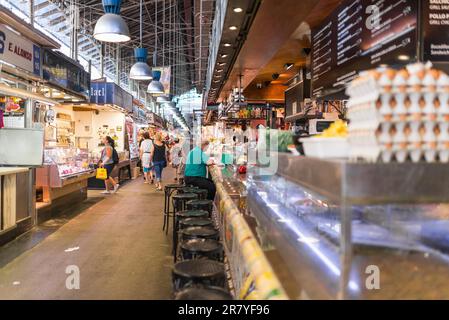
400,115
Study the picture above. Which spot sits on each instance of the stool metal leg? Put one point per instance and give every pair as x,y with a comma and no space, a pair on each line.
165,209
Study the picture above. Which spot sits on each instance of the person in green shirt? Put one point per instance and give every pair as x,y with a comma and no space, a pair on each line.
195,173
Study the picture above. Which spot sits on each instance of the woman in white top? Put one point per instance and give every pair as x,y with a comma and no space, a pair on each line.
145,156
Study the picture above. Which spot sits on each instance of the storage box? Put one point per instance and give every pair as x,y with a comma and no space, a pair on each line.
326,147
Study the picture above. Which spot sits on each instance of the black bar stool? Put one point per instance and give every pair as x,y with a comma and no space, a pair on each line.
198,272
192,214
199,233
195,222
188,190
202,249
203,293
204,204
169,189
202,193
179,204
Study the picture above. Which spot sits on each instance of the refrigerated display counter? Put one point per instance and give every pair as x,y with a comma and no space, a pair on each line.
335,229
62,180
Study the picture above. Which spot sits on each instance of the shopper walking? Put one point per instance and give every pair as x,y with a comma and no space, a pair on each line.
145,156
196,170
159,158
176,156
108,160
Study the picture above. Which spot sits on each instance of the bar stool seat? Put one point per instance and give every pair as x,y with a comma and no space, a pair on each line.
202,193
202,249
192,214
188,190
194,272
200,204
169,189
203,293
195,222
200,233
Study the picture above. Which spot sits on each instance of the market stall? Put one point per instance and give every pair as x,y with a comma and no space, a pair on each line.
21,134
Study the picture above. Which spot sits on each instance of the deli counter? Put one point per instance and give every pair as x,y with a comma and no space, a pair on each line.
62,180
329,234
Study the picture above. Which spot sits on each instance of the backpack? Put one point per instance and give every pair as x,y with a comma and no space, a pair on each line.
115,157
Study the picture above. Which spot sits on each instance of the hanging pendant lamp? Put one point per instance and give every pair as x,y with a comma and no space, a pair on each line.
156,87
162,99
140,70
111,27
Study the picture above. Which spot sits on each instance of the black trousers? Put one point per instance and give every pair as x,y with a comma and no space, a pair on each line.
202,183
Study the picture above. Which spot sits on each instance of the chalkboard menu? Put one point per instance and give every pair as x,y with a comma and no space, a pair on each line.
435,30
361,35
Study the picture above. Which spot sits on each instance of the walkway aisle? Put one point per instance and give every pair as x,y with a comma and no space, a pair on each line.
123,253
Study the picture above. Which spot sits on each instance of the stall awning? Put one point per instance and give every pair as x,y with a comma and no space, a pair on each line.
25,94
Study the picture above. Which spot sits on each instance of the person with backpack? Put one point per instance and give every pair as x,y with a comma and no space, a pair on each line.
109,158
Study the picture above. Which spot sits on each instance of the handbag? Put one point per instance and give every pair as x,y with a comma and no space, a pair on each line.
102,174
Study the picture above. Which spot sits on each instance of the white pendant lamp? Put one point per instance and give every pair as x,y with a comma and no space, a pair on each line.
140,70
156,87
111,27
162,99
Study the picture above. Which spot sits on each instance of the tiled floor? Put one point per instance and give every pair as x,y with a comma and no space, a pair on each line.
116,242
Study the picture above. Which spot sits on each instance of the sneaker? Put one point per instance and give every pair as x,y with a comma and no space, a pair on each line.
116,188
105,192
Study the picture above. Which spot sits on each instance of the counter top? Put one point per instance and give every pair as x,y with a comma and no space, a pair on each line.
12,170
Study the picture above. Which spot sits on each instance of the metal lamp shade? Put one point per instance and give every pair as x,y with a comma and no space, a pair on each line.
156,87
140,71
162,99
111,28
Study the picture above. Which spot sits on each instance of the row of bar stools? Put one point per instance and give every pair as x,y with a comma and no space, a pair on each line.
202,248
179,204
198,272
203,293
169,189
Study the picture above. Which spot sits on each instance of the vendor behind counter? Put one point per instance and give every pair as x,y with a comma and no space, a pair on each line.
196,170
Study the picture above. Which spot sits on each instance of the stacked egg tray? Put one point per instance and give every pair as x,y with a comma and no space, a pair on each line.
400,115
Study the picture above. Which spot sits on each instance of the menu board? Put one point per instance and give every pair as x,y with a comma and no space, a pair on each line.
361,35
435,30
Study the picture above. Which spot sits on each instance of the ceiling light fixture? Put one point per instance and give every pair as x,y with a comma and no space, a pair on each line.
141,70
111,27
288,65
232,28
224,55
238,10
227,44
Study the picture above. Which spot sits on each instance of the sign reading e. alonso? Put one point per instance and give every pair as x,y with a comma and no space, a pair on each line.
19,51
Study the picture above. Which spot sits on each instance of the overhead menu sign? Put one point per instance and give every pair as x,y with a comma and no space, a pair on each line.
19,51
435,15
360,35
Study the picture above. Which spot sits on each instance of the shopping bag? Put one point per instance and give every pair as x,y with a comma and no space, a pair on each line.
102,174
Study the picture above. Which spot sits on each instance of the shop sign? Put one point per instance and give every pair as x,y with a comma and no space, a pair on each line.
435,15
154,119
64,72
110,93
19,51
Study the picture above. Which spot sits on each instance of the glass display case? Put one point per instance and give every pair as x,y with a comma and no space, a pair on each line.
63,166
326,231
